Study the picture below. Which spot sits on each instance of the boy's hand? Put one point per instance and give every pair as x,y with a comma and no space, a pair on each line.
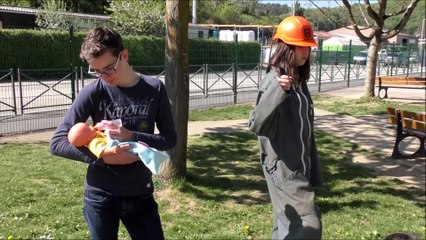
118,155
121,134
117,132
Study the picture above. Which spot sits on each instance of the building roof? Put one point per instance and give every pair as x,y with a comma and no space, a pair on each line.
342,41
349,31
34,11
322,35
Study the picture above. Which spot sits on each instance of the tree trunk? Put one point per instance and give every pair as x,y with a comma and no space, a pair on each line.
177,82
371,67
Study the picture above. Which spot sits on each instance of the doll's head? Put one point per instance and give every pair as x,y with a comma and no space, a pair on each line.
81,134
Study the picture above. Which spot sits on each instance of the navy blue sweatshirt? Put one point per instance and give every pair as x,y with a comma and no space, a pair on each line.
140,108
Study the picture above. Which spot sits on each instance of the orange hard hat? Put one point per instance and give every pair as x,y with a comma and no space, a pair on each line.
296,31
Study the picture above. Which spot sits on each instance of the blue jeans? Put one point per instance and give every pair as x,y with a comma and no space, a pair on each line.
139,215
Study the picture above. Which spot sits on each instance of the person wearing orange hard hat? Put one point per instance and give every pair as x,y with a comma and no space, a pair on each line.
283,120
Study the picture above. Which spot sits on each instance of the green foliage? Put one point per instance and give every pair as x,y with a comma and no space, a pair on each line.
138,16
52,50
79,6
340,16
34,49
229,14
219,52
21,3
127,13
245,12
414,25
52,15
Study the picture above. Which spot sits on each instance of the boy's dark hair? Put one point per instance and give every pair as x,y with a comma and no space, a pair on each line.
401,236
100,40
282,61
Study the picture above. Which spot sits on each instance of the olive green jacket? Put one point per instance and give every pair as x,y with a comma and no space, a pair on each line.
284,123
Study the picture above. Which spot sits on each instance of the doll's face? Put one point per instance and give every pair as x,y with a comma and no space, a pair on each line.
81,134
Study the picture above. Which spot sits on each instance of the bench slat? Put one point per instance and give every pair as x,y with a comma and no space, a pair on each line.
414,115
392,117
408,124
413,120
390,80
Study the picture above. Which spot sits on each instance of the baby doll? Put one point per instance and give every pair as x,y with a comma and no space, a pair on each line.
100,145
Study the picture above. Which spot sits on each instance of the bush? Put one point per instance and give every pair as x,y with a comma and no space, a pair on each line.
32,49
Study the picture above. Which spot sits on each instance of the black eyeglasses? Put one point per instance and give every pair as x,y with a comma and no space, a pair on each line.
107,71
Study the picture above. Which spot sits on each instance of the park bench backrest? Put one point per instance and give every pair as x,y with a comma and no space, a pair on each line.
412,120
393,80
392,116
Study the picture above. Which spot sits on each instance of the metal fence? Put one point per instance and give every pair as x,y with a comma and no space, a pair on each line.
36,99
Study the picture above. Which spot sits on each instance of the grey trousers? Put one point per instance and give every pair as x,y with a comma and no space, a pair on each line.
296,216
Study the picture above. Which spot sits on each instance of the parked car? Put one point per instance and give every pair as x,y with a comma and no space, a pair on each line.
360,58
414,58
392,58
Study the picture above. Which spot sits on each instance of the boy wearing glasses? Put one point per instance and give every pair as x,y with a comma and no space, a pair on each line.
118,187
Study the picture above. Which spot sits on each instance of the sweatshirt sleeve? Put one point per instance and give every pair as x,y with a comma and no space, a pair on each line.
167,137
78,112
263,119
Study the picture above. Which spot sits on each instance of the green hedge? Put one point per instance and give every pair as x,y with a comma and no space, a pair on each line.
32,49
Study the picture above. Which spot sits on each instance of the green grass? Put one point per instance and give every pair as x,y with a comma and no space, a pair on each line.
223,197
361,106
237,111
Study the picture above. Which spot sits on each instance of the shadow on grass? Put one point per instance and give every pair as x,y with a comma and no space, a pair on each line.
226,162
342,177
225,166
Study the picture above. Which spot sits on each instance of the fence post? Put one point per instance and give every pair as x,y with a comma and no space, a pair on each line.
393,53
21,98
408,60
71,43
235,73
320,65
349,62
13,91
205,78
422,60
259,74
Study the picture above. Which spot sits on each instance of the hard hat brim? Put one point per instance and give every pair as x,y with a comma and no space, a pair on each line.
306,43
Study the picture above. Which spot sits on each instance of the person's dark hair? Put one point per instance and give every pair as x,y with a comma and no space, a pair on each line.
100,40
401,236
282,61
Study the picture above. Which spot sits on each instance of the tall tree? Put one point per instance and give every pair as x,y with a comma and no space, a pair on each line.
138,16
52,15
297,9
88,6
16,3
374,18
177,82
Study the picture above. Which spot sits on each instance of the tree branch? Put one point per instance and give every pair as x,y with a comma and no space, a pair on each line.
358,32
401,24
325,14
363,14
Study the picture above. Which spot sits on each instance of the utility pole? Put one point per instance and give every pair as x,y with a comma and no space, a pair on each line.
194,11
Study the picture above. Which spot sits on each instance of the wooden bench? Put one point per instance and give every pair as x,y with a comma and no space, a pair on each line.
386,82
408,124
